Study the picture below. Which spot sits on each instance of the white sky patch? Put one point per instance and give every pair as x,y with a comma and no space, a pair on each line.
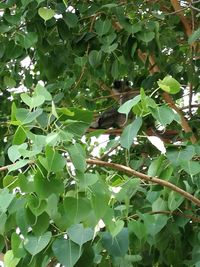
158,143
71,9
26,62
100,142
98,227
58,16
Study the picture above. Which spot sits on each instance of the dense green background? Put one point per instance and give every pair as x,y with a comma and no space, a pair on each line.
58,60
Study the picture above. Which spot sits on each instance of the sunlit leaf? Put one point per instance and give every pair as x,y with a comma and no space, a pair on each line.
46,13
169,85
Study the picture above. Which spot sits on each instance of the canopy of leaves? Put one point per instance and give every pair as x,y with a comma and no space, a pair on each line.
136,206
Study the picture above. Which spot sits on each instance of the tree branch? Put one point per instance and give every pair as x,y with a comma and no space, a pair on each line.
184,122
167,97
145,177
168,212
183,19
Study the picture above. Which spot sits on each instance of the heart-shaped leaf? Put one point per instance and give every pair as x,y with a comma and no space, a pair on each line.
169,85
34,101
35,244
66,252
46,13
80,235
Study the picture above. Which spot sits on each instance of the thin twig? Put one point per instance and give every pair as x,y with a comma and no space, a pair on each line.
145,177
195,8
190,100
192,106
109,151
167,212
86,53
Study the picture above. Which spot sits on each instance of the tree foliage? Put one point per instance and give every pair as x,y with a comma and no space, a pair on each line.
136,206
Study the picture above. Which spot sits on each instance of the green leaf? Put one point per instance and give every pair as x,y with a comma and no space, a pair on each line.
42,91
87,180
80,61
174,200
109,6
134,28
133,258
194,36
3,220
184,155
34,101
26,2
51,185
127,106
36,205
77,155
159,204
155,167
9,82
115,69
169,85
70,19
130,132
14,151
102,26
42,224
17,246
154,223
116,228
95,58
27,40
109,48
163,114
35,244
18,165
5,199
138,228
10,182
46,13
108,39
146,36
10,260
55,161
25,116
66,252
117,246
191,167
13,19
77,210
80,235
19,136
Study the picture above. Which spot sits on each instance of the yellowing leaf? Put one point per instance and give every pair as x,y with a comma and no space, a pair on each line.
46,13
169,85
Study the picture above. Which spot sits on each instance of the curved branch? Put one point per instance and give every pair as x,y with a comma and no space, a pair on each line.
145,177
141,175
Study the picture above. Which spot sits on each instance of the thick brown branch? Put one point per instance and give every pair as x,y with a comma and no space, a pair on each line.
145,177
185,22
